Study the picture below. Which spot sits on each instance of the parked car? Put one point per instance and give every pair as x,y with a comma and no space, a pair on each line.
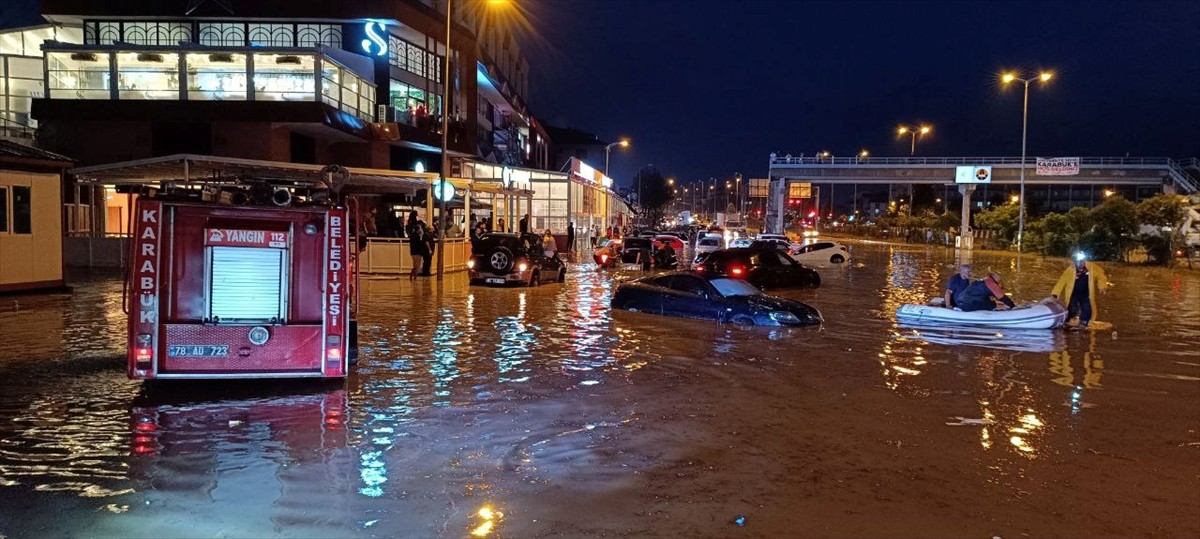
773,237
502,258
820,252
711,298
675,242
765,267
708,244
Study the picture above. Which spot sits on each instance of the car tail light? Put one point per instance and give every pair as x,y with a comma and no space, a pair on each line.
736,271
603,259
699,269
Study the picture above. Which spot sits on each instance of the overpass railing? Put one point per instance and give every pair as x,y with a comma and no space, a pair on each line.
1119,161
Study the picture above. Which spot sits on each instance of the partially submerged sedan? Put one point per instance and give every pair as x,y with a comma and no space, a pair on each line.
721,299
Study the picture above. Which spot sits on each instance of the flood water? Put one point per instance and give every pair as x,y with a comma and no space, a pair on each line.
542,412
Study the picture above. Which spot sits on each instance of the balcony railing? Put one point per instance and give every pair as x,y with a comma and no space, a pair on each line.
802,160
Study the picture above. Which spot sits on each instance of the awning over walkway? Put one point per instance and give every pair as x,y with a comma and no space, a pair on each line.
207,168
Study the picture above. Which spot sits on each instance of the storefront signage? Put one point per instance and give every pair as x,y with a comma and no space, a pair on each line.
443,190
588,174
1058,166
229,237
973,174
375,44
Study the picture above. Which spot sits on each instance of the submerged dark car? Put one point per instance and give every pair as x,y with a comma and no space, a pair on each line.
513,259
632,248
766,267
721,299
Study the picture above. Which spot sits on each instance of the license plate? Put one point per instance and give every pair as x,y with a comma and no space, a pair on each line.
494,281
197,350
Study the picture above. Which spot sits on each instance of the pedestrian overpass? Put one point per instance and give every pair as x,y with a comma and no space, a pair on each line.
1170,175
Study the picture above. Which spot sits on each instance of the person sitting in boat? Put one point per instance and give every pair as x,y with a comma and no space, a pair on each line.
957,283
984,295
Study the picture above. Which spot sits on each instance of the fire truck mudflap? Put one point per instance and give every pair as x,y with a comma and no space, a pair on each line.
221,291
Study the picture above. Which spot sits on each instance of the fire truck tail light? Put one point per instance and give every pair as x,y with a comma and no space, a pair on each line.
143,355
333,347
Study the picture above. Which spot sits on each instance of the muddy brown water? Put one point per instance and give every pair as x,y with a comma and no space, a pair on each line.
542,412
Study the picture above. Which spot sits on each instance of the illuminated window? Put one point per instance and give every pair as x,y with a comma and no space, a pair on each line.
148,75
331,84
284,77
216,76
78,75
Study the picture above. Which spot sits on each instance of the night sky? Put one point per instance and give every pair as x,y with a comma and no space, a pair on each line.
706,88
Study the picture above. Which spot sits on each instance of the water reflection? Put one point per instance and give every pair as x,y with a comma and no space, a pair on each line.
469,402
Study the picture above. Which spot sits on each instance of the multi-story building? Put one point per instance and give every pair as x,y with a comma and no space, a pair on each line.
302,81
121,87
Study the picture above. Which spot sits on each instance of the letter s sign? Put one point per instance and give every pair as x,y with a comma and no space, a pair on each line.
374,39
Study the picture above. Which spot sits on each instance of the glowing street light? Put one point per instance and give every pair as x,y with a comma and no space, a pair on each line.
624,143
1008,78
445,173
1015,199
915,132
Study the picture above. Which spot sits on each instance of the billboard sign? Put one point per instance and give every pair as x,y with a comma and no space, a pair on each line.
973,174
1058,166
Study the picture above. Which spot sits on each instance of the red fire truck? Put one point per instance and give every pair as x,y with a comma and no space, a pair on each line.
229,283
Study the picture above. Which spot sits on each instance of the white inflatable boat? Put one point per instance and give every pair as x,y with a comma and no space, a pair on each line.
1046,314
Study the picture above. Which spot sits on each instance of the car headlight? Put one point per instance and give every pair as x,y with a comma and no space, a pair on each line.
471,263
522,267
784,317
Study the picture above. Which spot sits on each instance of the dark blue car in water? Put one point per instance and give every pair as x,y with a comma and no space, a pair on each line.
719,298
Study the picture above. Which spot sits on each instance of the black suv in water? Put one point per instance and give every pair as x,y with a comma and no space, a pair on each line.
513,259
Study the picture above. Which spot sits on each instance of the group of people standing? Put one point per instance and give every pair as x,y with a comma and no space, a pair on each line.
1076,288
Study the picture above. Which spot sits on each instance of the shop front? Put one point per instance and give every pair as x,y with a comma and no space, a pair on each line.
582,197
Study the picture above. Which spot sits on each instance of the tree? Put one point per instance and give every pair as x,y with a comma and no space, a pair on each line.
1164,213
1003,219
654,194
1113,230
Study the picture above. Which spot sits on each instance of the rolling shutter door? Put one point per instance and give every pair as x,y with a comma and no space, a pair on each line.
249,284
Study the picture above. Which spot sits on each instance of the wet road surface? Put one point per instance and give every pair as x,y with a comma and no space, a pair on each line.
541,412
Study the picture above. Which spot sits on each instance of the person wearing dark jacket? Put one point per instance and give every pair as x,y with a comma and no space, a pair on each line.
957,283
524,224
414,230
984,295
430,246
570,237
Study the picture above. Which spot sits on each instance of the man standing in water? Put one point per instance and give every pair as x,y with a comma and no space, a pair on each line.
957,283
1077,288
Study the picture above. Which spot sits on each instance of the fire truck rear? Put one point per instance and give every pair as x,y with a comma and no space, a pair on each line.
218,290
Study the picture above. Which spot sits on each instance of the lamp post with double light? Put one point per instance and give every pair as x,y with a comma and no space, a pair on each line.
920,131
1009,78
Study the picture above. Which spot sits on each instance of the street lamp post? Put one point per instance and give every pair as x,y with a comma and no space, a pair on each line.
624,143
1008,78
915,132
441,249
